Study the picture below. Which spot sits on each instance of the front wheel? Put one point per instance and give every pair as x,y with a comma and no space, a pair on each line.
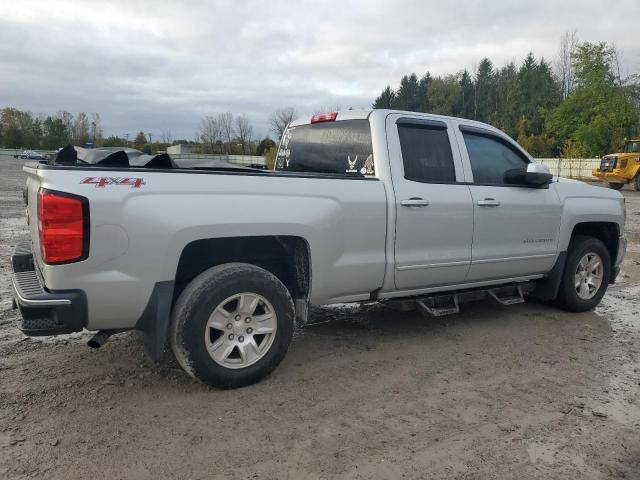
616,186
586,274
636,182
232,325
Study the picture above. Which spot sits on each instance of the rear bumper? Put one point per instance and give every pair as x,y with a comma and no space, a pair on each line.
44,312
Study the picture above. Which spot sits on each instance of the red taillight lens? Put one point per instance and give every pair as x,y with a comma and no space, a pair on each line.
324,117
62,227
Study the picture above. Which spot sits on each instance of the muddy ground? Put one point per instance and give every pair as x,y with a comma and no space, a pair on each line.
494,392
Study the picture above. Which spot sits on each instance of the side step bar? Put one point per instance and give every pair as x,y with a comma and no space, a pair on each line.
448,304
439,306
507,296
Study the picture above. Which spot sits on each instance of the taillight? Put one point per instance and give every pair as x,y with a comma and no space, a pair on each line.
63,224
324,117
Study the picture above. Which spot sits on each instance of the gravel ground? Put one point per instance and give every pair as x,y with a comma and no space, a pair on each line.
494,392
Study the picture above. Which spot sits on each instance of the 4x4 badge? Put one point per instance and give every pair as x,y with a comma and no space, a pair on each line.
101,182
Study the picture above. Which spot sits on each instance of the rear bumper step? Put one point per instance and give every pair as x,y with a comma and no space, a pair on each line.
44,312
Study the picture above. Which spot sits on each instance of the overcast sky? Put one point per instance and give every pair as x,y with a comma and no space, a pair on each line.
154,65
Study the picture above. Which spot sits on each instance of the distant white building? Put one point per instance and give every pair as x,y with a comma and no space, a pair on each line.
180,149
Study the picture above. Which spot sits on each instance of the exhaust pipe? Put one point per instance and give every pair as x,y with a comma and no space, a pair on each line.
100,338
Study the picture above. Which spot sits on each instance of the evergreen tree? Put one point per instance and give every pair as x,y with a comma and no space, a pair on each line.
407,94
446,96
506,98
386,99
485,90
424,87
140,140
467,92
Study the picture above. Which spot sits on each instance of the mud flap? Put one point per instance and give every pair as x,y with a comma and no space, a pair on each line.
547,288
154,322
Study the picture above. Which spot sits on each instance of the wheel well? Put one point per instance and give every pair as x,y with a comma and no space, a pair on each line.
605,231
286,257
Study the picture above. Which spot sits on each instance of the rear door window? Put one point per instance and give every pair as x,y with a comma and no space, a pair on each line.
339,147
426,154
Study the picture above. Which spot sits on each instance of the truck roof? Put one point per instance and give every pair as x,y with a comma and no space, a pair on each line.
364,114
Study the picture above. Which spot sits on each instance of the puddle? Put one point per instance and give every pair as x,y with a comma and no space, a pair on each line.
624,396
621,306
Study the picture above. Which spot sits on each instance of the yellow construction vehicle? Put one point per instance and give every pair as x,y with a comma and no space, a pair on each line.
618,169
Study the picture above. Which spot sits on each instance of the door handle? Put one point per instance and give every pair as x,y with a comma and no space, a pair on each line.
415,202
489,202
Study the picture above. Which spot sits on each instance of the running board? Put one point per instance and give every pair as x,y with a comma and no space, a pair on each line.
448,304
507,295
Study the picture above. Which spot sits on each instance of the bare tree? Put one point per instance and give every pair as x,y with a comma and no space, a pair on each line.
96,126
210,133
81,128
225,120
244,130
617,64
279,120
67,121
165,136
564,62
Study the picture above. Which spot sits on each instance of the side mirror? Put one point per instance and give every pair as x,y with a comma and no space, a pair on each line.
537,175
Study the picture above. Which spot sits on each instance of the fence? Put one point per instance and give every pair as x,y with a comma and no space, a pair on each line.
571,167
246,160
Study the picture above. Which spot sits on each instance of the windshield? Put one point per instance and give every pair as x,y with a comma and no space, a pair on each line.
632,147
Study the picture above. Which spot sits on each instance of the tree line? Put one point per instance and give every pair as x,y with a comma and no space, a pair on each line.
223,133
19,129
579,107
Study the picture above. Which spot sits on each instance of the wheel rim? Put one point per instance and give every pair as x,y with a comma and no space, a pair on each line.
588,276
241,330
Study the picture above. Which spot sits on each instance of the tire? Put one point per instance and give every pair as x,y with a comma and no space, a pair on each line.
636,182
203,305
616,186
569,297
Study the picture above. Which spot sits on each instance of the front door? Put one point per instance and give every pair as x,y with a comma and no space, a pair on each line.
434,212
516,227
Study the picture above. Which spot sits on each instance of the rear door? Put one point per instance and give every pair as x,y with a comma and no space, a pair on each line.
516,227
434,211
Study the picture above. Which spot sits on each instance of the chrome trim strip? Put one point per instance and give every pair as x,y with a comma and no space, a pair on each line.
509,259
432,265
36,303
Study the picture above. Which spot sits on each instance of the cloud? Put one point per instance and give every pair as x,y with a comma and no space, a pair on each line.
156,65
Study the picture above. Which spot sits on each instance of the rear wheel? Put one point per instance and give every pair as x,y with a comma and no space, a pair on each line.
232,325
586,274
616,186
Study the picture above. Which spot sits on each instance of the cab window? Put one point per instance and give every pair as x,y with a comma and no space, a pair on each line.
339,147
494,162
632,147
426,154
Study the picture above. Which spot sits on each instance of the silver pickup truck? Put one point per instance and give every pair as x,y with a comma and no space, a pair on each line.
222,261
